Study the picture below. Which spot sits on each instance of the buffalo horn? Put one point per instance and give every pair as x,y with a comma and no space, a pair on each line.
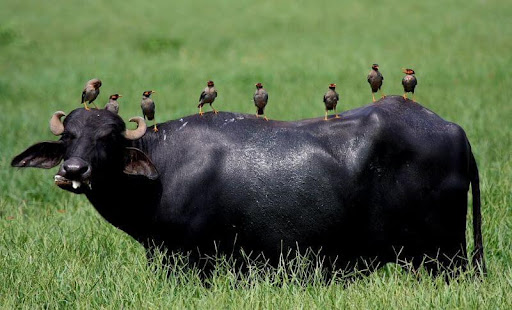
137,133
56,126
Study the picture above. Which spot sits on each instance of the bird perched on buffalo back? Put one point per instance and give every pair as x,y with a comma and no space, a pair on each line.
409,82
331,99
260,100
148,107
112,104
91,92
207,96
375,79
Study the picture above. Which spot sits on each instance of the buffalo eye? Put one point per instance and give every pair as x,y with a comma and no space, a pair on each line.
105,137
67,136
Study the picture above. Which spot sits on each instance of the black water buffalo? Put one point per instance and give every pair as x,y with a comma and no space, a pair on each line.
384,182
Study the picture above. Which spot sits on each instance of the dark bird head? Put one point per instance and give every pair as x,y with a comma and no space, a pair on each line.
115,97
332,86
408,71
148,93
209,83
259,85
375,67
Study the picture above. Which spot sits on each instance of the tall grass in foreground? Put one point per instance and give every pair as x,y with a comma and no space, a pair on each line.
95,274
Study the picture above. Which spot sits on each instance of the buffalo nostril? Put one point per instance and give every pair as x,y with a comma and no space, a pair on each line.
75,168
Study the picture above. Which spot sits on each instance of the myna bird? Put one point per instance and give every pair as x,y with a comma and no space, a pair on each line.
409,82
91,92
331,99
112,104
207,96
148,107
260,100
375,79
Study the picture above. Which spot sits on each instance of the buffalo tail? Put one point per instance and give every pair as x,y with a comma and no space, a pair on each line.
478,252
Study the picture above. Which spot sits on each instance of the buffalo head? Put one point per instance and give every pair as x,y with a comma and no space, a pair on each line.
94,145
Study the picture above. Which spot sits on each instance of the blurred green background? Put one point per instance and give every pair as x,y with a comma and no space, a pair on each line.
461,52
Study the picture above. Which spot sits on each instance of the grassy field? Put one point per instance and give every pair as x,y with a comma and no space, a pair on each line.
57,252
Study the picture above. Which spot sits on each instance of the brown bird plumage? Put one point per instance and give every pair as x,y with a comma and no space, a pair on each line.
148,107
375,79
91,92
331,99
260,100
208,95
112,104
409,82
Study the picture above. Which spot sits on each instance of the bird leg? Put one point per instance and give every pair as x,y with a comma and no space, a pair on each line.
405,96
382,94
373,96
86,107
413,98
201,111
214,111
336,113
94,104
325,118
154,126
265,118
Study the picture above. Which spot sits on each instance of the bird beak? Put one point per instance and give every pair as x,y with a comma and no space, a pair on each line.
153,91
120,96
404,71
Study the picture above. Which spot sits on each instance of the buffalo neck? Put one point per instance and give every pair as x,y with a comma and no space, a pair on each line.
126,202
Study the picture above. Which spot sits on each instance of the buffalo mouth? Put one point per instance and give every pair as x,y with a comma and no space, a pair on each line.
74,186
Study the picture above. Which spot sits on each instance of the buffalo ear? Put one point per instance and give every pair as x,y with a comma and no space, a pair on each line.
41,155
138,164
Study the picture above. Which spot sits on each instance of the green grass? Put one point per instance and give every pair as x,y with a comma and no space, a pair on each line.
461,51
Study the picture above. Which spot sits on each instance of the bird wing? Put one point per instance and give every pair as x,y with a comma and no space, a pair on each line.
83,96
337,97
215,94
152,107
369,77
201,97
325,98
266,97
148,108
